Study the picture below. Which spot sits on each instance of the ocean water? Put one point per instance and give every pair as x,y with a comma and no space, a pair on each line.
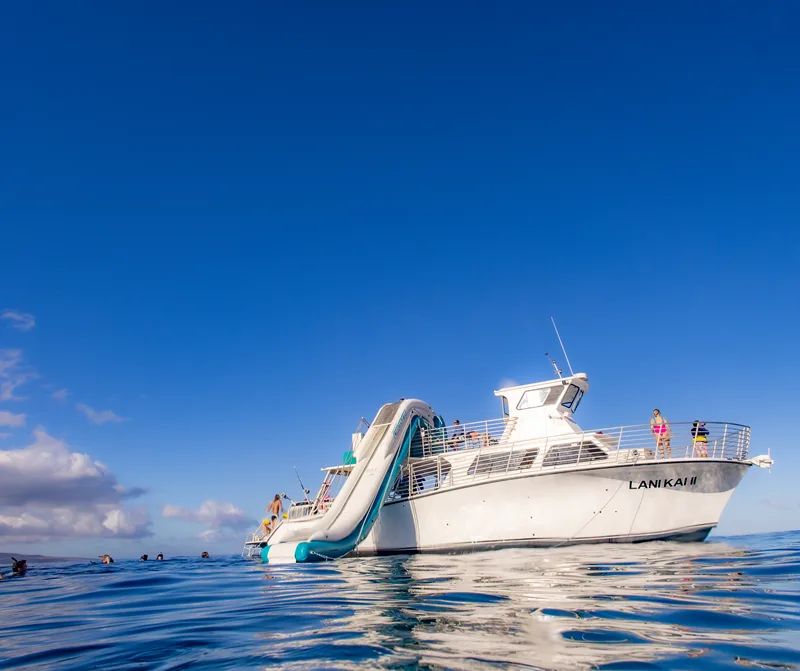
724,604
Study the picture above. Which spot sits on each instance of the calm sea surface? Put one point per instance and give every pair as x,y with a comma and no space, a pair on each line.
723,604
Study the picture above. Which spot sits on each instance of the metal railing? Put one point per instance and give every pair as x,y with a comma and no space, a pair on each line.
466,436
301,510
618,445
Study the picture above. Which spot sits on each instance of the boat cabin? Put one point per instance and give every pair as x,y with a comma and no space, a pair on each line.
544,408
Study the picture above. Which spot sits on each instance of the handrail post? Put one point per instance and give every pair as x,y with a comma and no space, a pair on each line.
438,472
724,438
544,452
580,448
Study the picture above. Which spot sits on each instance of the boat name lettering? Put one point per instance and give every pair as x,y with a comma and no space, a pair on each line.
666,482
400,422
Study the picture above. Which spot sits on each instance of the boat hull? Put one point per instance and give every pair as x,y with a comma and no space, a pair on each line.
680,500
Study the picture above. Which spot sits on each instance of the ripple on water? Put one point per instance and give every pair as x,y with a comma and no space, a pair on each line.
719,605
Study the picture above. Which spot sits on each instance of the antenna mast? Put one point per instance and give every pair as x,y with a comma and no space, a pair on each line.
563,349
306,492
555,365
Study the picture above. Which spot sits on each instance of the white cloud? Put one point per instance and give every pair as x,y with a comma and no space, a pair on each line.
10,419
216,516
99,416
60,394
126,523
218,535
507,382
13,374
22,321
9,360
49,491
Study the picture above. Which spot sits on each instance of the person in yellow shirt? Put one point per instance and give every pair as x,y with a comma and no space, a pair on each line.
700,438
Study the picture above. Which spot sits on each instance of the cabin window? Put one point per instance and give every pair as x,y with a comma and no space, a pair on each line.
533,398
536,398
576,453
509,460
505,406
572,397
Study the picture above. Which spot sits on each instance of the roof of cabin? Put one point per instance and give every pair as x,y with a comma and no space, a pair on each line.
541,385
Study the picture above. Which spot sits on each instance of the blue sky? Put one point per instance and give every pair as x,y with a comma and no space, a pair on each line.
241,229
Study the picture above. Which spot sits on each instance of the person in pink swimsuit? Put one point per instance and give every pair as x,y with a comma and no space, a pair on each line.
662,432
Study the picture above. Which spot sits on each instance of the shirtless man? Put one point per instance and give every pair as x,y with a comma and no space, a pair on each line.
275,511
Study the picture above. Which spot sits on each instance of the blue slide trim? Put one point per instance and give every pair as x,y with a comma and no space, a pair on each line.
313,551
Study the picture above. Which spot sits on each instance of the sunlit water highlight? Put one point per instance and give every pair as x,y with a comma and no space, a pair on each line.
723,604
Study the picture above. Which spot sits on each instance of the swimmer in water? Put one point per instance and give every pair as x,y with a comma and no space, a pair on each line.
106,559
19,566
160,557
143,558
204,555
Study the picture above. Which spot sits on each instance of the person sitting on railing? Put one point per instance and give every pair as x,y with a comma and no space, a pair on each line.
457,436
700,438
474,440
662,432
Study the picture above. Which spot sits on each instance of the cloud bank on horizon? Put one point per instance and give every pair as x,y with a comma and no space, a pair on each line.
221,518
48,491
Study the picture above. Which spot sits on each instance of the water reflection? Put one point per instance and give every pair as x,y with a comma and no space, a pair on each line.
656,605
659,606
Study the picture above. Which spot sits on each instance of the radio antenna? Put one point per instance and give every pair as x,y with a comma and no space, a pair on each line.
306,492
563,349
555,365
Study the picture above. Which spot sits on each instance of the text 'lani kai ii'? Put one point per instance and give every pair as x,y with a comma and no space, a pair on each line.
666,482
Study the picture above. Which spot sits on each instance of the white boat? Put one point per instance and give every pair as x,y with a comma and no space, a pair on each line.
532,477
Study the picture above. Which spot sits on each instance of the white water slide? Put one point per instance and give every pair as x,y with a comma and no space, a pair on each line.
381,453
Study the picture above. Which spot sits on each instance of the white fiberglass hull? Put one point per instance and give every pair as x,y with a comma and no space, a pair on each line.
676,500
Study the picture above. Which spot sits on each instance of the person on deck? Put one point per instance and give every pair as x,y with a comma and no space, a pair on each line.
700,439
275,510
458,436
474,440
662,432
